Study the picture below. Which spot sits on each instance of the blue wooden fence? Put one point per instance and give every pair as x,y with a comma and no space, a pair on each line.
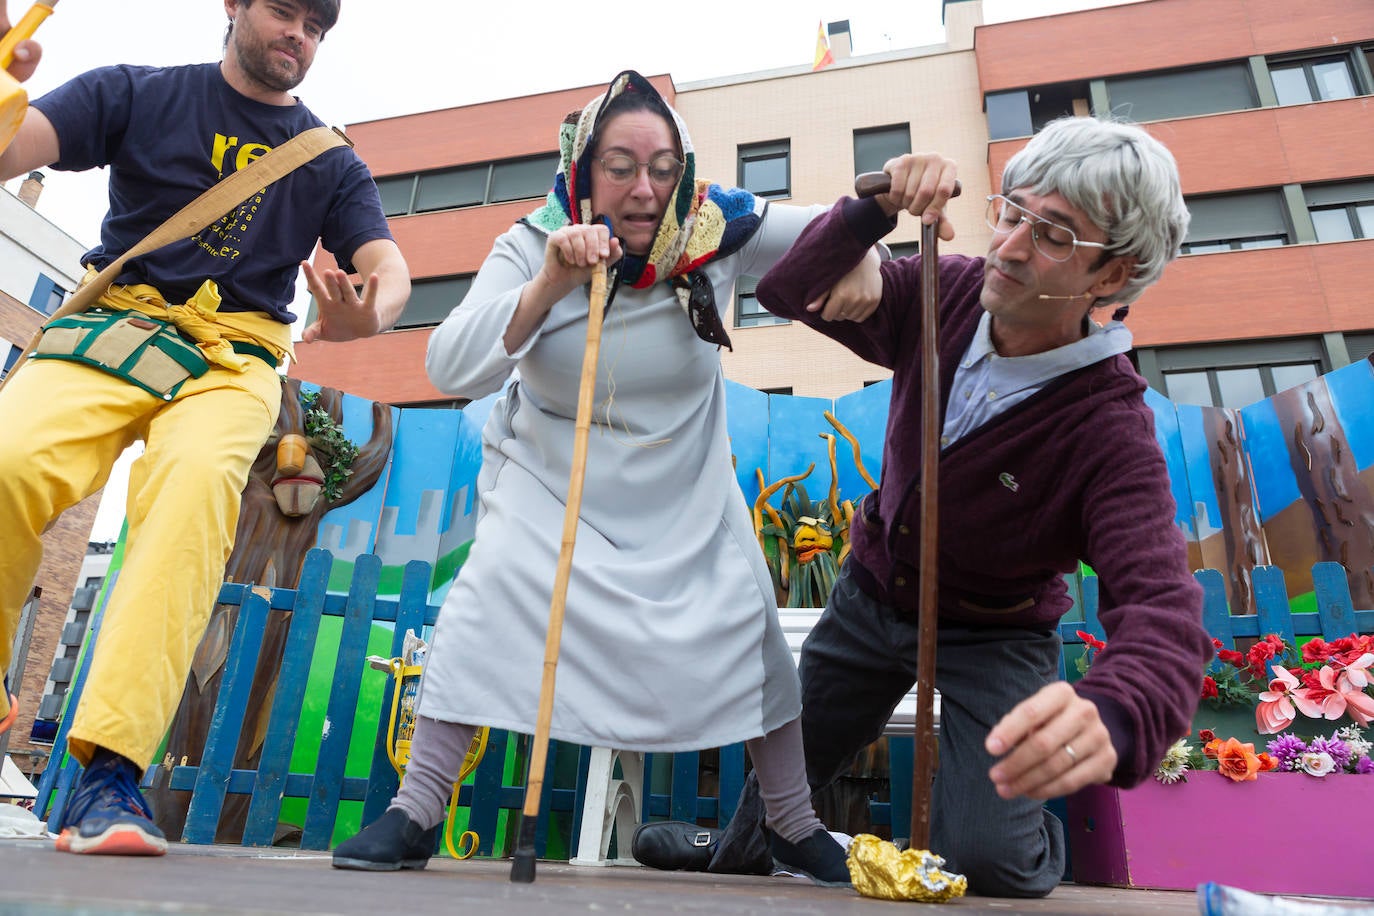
489,794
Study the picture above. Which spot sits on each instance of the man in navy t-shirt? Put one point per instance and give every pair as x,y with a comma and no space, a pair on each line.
167,135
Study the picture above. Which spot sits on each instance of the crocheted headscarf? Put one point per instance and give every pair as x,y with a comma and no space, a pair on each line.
702,220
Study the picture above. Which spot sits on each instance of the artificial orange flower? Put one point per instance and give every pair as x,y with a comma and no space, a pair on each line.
1267,762
1237,761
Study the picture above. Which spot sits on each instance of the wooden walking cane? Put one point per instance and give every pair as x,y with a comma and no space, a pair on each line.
522,867
14,101
923,765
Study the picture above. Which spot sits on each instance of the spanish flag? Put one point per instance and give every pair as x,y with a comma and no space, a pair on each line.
823,57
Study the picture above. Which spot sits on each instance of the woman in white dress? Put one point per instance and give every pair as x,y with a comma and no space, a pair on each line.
671,640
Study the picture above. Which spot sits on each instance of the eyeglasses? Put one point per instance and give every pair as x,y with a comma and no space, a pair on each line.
1054,241
664,171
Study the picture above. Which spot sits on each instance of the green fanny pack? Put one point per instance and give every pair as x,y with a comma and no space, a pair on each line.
143,351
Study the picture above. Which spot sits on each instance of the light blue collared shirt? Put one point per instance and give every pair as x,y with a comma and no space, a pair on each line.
986,385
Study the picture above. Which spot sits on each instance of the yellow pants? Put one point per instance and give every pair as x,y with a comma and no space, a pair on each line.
63,425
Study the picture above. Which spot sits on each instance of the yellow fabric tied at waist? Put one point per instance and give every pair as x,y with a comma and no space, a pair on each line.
200,320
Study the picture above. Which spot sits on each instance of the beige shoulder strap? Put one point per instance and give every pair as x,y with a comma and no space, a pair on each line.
201,212
211,205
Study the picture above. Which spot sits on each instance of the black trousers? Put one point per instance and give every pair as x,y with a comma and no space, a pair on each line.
856,665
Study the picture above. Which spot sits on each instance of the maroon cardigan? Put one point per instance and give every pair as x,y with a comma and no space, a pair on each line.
1072,473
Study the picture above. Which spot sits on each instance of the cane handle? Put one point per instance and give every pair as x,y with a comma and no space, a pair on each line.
871,184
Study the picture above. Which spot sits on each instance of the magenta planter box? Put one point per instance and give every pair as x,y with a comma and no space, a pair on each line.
1285,833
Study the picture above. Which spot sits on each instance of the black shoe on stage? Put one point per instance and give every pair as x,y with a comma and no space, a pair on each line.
390,843
673,845
818,857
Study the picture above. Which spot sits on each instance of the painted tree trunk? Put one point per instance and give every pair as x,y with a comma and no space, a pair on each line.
269,550
1341,505
1243,535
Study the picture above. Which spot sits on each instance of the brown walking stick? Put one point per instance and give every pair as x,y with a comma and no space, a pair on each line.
522,868
923,765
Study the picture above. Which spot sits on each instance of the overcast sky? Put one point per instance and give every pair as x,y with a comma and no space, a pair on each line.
393,57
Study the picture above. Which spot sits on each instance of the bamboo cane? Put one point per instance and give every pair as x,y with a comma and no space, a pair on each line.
923,766
522,867
14,101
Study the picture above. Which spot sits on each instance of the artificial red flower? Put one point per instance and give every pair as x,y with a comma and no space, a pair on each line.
1091,641
1260,653
1236,761
1232,657
1206,735
1316,651
1209,688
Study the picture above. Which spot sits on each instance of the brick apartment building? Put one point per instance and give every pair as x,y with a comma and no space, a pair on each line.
37,261
1270,113
1267,112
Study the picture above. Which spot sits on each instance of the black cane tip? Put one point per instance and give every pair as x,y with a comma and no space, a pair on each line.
522,867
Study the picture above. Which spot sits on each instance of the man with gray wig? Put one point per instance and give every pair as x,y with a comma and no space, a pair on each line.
1048,458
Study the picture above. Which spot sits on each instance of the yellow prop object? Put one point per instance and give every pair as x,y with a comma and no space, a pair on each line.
812,537
14,101
878,869
402,729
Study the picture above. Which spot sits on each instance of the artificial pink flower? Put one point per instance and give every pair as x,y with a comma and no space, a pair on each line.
1280,704
1347,691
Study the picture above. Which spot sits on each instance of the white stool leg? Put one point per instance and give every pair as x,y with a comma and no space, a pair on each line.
610,805
594,839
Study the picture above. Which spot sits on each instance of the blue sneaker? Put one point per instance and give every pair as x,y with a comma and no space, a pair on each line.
108,816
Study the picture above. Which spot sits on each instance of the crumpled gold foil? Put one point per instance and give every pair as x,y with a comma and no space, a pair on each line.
878,869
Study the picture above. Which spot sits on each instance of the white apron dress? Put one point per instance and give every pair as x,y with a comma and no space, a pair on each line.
671,639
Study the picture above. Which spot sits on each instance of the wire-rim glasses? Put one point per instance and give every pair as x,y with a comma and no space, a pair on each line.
1054,241
619,169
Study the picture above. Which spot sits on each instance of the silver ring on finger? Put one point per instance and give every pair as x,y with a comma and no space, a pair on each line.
1073,755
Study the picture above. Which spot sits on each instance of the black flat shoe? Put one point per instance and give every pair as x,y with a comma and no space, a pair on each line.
818,857
390,843
673,846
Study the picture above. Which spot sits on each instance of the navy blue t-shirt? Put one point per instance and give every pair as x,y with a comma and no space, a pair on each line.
168,134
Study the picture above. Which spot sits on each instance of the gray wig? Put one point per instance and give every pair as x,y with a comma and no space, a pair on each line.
1123,179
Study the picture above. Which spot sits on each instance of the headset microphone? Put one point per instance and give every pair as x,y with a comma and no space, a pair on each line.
1079,296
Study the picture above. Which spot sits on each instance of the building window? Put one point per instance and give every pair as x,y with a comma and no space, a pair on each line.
432,300
874,146
397,193
748,312
468,185
1022,112
1182,94
47,295
1238,374
9,355
522,178
1228,222
465,187
1341,211
1315,80
766,168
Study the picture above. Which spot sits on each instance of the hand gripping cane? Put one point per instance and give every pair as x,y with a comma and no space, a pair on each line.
870,184
522,867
